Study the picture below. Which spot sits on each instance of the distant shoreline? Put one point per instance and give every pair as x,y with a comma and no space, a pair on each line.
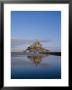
53,53
47,53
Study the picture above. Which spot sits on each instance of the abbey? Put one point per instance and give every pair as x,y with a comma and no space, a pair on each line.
36,47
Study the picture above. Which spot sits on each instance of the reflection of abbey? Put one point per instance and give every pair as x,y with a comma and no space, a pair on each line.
36,47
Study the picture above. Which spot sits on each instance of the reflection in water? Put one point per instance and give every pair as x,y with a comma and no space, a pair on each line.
36,59
35,67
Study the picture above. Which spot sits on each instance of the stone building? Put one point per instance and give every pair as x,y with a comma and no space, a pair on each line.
36,47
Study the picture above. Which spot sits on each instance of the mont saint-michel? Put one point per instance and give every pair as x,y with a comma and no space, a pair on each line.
36,49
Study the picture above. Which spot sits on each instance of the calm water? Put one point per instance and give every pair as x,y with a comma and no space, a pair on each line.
36,67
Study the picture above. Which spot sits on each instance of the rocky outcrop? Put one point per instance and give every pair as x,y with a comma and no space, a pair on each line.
36,47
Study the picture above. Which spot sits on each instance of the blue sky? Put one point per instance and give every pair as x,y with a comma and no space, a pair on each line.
37,25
